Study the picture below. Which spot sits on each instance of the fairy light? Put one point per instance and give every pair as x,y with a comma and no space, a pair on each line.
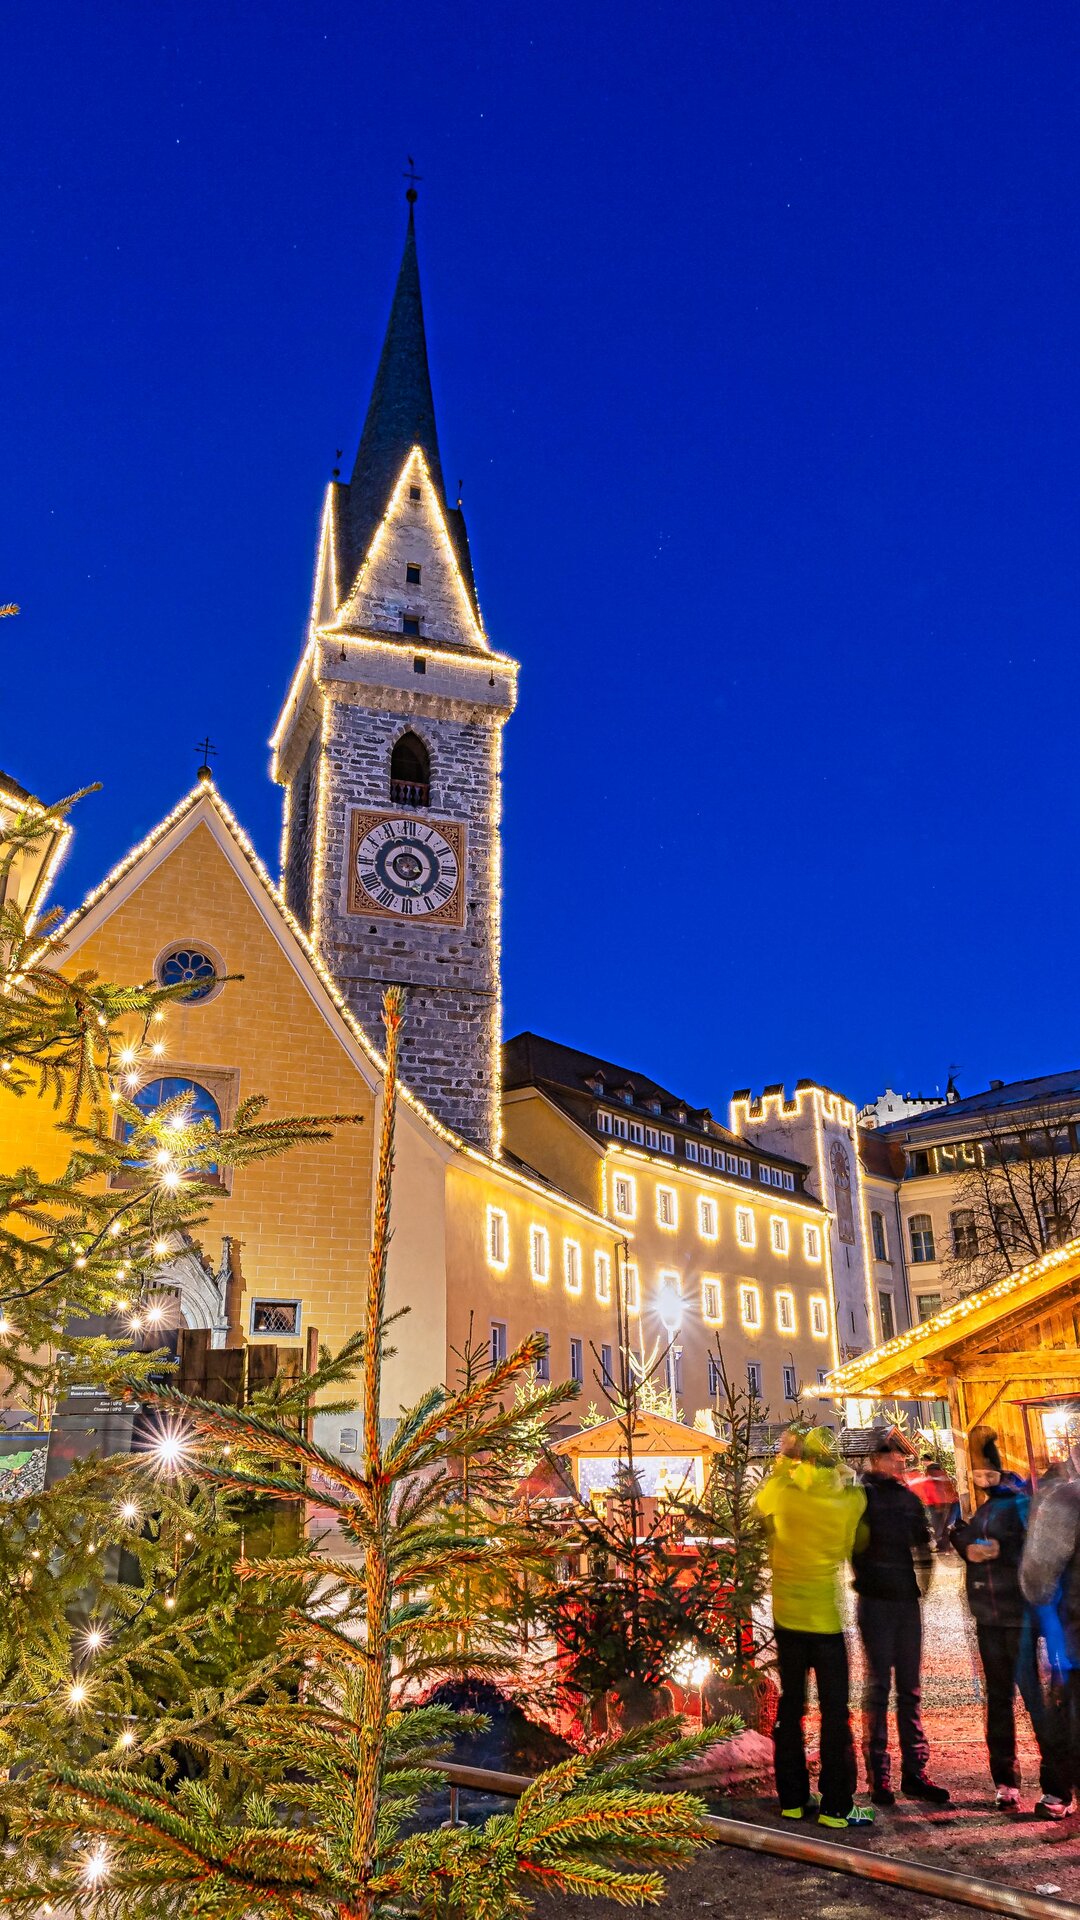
94,1639
127,1738
96,1868
5,1325
415,470
128,1056
170,1179
129,1511
170,1601
169,1449
77,1694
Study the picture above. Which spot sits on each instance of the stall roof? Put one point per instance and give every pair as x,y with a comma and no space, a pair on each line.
652,1433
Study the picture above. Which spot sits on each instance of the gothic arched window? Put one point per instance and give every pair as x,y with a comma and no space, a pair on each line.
410,772
841,1175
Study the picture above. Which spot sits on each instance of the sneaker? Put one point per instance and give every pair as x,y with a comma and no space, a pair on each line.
858,1817
917,1786
813,1806
883,1796
1007,1799
1049,1807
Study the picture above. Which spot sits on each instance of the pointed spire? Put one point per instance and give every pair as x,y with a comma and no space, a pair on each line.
400,416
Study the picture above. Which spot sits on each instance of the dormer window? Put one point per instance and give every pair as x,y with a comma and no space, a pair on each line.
679,1114
412,574
410,623
652,1104
625,1094
410,772
595,1082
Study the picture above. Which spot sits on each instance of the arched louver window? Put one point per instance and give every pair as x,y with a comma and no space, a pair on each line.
410,772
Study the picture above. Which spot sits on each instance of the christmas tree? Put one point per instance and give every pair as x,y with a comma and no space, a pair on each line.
303,1803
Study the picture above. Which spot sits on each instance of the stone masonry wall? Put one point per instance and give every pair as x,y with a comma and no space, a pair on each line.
450,1053
299,852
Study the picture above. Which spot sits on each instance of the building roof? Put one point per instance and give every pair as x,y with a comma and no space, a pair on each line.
577,1081
400,416
916,1360
11,788
998,1099
880,1156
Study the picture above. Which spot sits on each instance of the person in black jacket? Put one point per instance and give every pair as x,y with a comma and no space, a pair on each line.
893,1560
991,1545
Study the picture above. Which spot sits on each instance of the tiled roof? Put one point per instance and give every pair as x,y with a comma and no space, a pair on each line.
1048,1089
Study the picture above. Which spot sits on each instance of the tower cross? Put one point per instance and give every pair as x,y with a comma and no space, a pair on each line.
204,749
412,177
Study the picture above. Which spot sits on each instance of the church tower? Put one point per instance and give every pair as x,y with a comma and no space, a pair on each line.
389,747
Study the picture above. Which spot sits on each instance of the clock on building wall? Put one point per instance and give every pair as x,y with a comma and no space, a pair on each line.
407,868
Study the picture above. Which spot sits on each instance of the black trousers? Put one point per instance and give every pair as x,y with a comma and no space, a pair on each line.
824,1655
891,1632
1000,1650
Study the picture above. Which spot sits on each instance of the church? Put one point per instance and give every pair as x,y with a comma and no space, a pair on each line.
541,1191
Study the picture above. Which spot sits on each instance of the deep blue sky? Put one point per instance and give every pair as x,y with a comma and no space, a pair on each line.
754,335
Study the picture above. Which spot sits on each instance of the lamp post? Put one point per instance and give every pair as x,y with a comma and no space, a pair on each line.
670,1308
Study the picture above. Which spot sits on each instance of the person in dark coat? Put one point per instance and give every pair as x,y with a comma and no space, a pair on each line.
893,1562
991,1545
1050,1578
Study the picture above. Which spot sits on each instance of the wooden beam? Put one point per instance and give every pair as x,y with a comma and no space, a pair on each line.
1046,1366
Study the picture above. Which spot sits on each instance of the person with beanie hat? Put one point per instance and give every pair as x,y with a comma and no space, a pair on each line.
991,1544
893,1561
811,1514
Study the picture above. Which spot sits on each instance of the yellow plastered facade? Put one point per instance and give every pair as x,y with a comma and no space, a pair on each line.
300,1226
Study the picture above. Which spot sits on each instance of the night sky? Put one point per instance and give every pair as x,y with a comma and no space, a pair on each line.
754,332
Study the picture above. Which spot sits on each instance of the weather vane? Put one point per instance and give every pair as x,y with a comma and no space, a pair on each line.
412,177
205,749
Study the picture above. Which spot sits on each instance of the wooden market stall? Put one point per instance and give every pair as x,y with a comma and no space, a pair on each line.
1006,1359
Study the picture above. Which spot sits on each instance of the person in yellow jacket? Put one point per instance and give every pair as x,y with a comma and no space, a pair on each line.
811,1513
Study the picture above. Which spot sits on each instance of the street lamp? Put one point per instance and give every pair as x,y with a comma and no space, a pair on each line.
670,1308
32,851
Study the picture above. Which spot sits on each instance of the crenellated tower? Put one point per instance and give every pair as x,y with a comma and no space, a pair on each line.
389,747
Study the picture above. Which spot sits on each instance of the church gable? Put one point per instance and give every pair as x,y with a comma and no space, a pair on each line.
410,582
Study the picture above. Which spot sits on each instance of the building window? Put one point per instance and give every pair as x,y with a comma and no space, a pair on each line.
789,1182
412,573
543,1360
410,772
652,1138
690,1149
706,1219
603,1277
744,1169
410,624
733,1163
603,1121
499,1346
577,1362
785,1312
606,1375
778,1176
921,1231
927,1305
620,1126
744,1226
822,1375
193,967
750,1306
414,493
419,664
812,1243
667,1143
712,1304
886,1316
637,1133
965,1234
539,1253
198,1103
764,1176
753,1379
498,1239
275,1316
779,1233
667,1207
819,1317
633,1288
625,1196
714,1375
791,1384
877,1233
572,1266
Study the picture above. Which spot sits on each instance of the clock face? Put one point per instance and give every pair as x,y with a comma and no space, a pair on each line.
406,868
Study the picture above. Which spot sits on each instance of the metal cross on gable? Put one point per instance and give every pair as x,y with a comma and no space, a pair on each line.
205,749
